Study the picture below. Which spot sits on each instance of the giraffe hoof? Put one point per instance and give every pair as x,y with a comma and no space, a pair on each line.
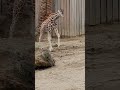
40,40
51,49
58,46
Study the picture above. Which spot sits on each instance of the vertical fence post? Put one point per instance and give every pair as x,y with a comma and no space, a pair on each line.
115,10
0,7
83,17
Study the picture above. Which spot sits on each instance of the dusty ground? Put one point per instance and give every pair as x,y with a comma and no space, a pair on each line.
16,64
69,72
102,57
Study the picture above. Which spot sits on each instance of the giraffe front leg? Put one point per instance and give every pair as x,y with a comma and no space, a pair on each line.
40,38
58,40
58,35
49,40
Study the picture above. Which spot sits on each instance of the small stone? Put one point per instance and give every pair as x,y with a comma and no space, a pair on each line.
55,45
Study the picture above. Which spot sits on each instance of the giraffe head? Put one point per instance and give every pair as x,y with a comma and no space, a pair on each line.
60,12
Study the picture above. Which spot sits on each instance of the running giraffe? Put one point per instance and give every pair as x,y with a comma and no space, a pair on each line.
49,25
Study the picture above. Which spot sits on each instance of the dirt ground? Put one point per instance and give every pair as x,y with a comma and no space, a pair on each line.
102,49
16,64
69,72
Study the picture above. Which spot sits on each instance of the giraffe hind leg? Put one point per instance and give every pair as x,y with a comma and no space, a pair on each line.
41,33
49,40
40,38
58,35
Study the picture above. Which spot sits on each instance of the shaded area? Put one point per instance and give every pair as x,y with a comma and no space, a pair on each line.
17,54
16,64
17,15
102,57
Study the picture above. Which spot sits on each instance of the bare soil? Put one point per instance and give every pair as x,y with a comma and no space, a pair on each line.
69,70
16,64
102,56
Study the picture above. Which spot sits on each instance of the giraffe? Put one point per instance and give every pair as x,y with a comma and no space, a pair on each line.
49,25
17,9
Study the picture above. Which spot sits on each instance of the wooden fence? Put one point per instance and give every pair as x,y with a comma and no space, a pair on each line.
102,11
74,17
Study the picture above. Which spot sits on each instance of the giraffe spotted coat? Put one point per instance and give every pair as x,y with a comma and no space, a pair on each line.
49,25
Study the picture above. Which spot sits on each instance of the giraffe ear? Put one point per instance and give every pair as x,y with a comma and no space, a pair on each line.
58,10
62,11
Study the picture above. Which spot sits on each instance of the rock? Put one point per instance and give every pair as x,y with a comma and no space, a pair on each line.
55,45
44,60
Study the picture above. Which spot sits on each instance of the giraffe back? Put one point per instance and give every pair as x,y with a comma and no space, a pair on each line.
48,25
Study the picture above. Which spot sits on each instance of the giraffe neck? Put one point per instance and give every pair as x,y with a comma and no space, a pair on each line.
55,16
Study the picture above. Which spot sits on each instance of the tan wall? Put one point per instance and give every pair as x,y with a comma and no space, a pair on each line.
74,17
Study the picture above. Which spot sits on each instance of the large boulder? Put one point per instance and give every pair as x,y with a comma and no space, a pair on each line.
43,59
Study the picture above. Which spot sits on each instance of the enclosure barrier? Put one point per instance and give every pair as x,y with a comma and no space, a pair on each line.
102,11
